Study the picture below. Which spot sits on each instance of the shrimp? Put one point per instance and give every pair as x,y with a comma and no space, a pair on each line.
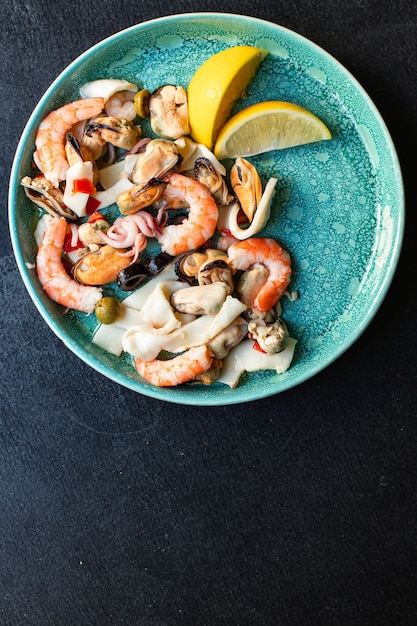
202,217
121,104
55,281
180,369
268,253
50,138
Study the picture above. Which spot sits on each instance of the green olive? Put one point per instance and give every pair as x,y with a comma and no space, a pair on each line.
141,103
107,310
102,225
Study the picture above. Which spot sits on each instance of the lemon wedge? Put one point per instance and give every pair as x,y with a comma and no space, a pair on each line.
216,85
266,126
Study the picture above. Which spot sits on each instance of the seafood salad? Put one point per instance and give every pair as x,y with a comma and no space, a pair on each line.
148,232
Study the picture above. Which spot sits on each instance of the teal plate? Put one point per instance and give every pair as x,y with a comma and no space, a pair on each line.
338,208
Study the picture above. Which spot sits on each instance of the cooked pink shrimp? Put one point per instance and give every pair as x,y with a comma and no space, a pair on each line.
52,275
201,220
180,369
50,138
121,104
268,253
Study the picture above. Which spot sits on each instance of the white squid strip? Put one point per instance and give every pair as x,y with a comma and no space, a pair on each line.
105,88
76,200
158,310
243,358
109,196
127,318
111,174
190,151
228,215
142,341
109,336
137,299
41,226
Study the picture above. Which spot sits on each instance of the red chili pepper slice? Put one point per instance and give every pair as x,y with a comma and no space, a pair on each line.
68,245
257,347
94,217
92,205
83,185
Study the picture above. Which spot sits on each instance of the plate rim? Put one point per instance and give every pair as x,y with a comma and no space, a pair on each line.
159,393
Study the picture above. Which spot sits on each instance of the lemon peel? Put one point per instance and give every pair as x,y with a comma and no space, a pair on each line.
216,85
266,126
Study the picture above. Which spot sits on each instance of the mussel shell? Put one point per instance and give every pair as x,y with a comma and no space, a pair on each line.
132,277
41,193
189,274
135,274
157,263
207,175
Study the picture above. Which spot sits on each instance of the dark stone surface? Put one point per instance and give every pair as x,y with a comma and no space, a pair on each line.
299,509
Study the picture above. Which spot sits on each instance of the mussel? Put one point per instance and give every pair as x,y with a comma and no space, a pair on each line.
211,375
216,271
168,110
132,277
247,186
75,150
188,265
268,329
200,299
117,131
47,197
89,233
159,158
156,264
203,267
250,283
228,338
206,173
101,266
140,196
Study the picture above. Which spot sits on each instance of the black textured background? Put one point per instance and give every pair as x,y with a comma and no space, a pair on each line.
297,510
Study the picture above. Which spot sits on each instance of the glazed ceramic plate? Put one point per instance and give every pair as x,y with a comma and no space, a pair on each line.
338,208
